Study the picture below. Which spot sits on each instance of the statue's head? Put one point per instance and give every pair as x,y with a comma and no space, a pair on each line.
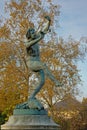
30,33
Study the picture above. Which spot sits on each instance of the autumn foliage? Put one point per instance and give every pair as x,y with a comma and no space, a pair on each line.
14,73
60,56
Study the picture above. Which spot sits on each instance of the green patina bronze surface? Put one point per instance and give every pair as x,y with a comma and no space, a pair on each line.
34,64
33,56
29,112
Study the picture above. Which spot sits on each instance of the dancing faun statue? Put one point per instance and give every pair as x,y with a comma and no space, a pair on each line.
34,63
33,56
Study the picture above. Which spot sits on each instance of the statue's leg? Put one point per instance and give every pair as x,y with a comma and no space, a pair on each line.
42,81
51,76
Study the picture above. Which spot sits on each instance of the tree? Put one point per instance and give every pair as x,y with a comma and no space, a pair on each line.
14,73
60,56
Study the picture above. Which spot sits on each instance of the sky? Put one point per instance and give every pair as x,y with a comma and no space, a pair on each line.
73,21
73,18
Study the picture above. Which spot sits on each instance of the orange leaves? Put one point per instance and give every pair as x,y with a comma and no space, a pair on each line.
23,4
24,24
13,14
3,49
47,53
15,5
4,31
13,84
18,6
37,8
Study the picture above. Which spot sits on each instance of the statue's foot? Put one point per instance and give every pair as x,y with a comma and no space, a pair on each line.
22,106
33,103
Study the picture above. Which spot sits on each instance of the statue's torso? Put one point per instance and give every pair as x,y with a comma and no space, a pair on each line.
33,52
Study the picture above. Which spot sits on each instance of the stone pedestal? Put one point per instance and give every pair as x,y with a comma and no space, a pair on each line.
29,121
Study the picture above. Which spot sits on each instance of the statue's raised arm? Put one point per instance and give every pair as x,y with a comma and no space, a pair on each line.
45,29
35,36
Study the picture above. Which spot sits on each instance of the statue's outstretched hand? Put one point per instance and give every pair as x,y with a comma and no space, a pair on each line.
48,18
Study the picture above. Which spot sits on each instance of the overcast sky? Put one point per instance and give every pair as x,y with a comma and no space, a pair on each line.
73,21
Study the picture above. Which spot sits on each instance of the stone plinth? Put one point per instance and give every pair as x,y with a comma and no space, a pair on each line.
30,122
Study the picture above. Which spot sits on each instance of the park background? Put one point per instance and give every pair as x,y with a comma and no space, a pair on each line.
72,21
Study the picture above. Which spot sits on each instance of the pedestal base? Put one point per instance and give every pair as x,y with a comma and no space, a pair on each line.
30,122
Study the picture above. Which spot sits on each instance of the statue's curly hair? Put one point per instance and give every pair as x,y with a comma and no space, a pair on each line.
30,32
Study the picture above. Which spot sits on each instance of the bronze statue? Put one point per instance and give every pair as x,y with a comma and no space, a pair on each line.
34,64
33,56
